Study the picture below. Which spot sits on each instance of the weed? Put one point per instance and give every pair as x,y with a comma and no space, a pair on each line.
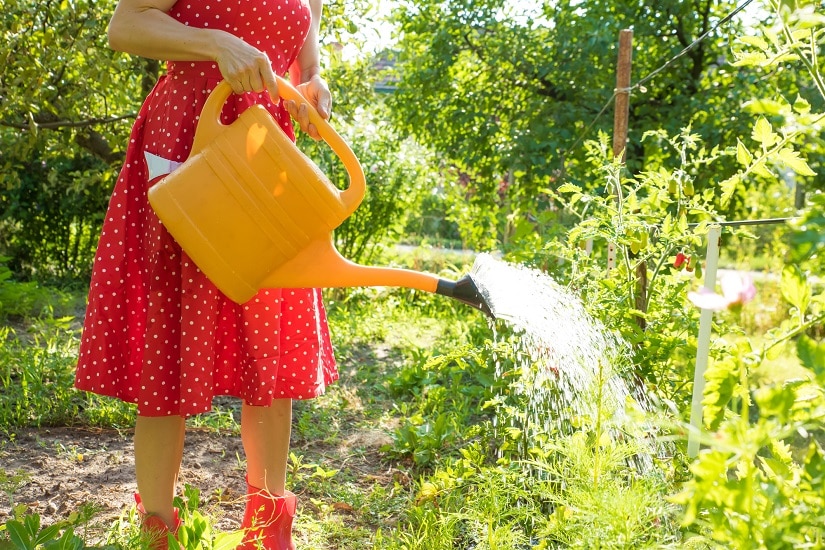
25,531
10,483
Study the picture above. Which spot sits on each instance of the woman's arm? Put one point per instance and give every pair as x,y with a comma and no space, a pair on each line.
144,28
305,74
308,63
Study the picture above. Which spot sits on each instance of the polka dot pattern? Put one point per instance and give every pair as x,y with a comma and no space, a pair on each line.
157,332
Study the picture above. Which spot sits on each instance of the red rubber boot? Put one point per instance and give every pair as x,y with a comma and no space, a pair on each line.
268,520
155,529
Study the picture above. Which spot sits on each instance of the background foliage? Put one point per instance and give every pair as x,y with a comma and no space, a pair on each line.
506,93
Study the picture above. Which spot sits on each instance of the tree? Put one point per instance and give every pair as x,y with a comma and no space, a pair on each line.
68,101
506,94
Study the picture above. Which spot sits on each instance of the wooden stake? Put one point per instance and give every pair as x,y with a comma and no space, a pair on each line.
622,113
620,131
620,119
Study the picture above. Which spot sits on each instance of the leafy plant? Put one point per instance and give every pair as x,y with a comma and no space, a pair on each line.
196,532
25,531
760,481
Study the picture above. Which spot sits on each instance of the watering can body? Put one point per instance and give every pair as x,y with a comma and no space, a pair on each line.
252,211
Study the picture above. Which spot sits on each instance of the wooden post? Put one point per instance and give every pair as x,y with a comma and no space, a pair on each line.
620,131
620,119
621,115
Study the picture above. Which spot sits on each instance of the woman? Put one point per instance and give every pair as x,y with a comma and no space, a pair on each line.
157,333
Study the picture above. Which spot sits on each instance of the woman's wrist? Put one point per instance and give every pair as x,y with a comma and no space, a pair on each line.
308,75
302,75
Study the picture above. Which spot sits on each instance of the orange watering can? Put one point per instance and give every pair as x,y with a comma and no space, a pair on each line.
253,212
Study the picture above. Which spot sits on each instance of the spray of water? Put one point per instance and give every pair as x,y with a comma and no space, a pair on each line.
566,366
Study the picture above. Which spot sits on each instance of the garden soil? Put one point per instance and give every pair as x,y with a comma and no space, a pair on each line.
55,471
65,468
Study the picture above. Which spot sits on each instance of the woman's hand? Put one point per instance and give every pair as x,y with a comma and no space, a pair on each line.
244,67
316,92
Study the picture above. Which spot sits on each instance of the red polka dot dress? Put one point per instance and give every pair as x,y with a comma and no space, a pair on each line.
157,332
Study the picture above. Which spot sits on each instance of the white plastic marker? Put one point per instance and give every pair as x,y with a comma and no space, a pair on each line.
703,343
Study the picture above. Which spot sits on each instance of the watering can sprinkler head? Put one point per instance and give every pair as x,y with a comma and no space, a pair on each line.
464,290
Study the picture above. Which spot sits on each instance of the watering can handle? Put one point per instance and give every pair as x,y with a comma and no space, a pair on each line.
209,126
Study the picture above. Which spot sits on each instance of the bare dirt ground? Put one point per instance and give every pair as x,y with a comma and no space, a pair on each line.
66,467
61,469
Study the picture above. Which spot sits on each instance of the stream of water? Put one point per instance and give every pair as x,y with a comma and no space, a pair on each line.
566,358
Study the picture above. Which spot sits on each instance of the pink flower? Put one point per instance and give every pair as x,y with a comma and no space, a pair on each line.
737,289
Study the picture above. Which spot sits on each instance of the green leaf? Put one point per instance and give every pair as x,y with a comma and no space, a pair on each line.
774,401
47,534
743,156
773,37
811,353
760,169
763,132
710,466
69,541
795,288
775,468
754,41
18,535
794,162
765,106
721,381
782,451
776,351
745,59
682,224
569,188
801,105
228,541
729,187
800,34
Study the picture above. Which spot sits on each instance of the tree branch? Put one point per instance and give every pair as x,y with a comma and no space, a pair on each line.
56,124
95,143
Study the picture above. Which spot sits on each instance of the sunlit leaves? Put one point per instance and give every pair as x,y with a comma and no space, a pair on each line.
808,238
721,384
811,353
763,133
497,95
774,149
796,289
792,160
801,105
743,156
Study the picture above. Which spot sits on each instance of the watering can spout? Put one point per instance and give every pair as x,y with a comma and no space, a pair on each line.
464,290
321,265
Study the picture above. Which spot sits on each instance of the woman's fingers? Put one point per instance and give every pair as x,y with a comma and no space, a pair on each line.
300,112
325,106
266,78
255,79
316,93
237,84
246,68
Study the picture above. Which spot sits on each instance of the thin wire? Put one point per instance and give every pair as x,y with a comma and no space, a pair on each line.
692,45
593,123
737,223
650,76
